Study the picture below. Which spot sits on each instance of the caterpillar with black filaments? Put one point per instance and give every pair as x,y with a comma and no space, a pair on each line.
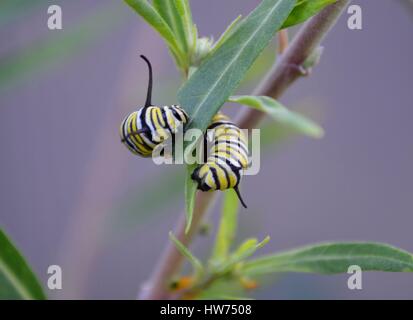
227,160
144,129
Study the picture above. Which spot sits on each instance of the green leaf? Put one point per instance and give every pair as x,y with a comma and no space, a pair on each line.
190,192
227,227
168,10
229,31
190,30
304,10
281,114
245,250
332,258
248,247
153,18
219,75
17,280
274,137
196,264
165,8
260,67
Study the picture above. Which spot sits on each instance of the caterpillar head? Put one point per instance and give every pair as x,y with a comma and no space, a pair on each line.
201,179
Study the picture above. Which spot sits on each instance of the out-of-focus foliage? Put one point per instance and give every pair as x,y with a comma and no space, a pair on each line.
17,280
218,278
12,10
45,53
143,203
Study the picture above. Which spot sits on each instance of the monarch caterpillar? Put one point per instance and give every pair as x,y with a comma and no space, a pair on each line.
144,129
227,161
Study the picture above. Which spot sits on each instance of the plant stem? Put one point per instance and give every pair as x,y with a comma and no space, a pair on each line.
282,41
284,73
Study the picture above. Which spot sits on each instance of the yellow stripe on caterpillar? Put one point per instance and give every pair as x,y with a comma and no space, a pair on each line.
227,160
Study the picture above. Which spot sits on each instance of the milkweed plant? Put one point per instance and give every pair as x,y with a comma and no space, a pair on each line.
211,72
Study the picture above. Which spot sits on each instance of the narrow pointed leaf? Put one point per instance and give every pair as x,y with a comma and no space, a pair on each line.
190,192
17,280
184,11
304,10
164,9
196,264
281,114
245,250
169,12
153,18
330,258
248,248
219,75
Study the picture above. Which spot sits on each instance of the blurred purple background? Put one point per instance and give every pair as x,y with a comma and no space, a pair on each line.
70,191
